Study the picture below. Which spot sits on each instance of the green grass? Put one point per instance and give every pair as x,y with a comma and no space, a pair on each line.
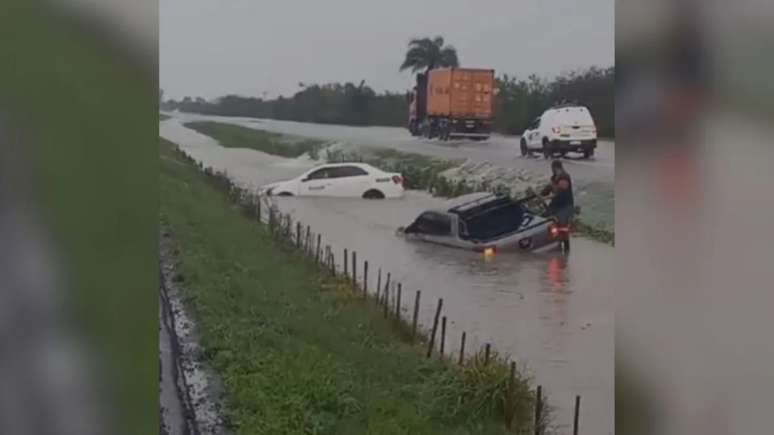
163,117
234,136
298,353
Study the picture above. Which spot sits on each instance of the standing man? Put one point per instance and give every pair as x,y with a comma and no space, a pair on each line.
562,205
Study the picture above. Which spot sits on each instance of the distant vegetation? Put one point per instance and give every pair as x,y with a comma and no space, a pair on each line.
426,54
520,100
163,117
234,136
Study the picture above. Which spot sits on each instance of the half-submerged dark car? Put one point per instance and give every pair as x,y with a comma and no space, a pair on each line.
488,223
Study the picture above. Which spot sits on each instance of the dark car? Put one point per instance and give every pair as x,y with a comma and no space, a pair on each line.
482,222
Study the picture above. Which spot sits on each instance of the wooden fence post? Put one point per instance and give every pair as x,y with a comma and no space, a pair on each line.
416,315
435,328
443,336
378,285
317,251
346,263
397,302
365,279
462,349
509,404
386,286
539,411
354,269
575,419
386,301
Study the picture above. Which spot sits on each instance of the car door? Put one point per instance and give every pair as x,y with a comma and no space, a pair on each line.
349,181
438,228
317,183
533,134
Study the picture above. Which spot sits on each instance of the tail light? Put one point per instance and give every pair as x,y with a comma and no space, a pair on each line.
397,179
555,231
490,251
556,130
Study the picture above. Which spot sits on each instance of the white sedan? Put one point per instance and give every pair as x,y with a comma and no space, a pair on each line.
342,180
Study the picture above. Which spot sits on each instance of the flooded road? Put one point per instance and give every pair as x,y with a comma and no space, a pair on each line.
504,150
552,313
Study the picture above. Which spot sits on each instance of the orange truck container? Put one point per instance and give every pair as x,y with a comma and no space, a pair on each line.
460,93
452,103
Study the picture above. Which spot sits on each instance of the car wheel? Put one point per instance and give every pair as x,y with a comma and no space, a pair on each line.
373,194
547,153
524,150
588,153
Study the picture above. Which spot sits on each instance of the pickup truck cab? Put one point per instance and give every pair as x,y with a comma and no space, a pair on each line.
485,222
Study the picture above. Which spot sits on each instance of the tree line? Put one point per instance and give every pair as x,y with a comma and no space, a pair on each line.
518,102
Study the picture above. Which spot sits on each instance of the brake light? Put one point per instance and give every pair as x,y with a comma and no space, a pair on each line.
397,179
488,252
554,231
556,130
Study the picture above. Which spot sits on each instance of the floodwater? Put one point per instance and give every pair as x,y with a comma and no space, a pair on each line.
552,313
504,150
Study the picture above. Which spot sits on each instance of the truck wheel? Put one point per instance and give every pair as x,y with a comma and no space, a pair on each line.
547,152
525,152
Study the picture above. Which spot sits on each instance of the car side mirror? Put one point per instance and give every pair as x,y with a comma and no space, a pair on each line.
304,180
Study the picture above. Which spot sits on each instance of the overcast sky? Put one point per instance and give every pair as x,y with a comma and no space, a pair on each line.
211,48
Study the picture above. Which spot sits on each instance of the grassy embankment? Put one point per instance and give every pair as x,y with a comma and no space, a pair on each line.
421,172
234,136
298,350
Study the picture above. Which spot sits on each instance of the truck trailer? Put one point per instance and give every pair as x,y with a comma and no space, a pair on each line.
452,103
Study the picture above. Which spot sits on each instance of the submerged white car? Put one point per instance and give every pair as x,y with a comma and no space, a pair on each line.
358,180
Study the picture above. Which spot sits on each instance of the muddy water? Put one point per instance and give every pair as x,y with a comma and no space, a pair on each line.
552,313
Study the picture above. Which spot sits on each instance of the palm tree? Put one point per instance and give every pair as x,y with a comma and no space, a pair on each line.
426,53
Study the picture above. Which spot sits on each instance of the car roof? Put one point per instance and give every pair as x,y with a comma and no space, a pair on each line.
569,113
470,201
338,165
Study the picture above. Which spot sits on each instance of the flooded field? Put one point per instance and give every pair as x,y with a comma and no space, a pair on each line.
550,312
